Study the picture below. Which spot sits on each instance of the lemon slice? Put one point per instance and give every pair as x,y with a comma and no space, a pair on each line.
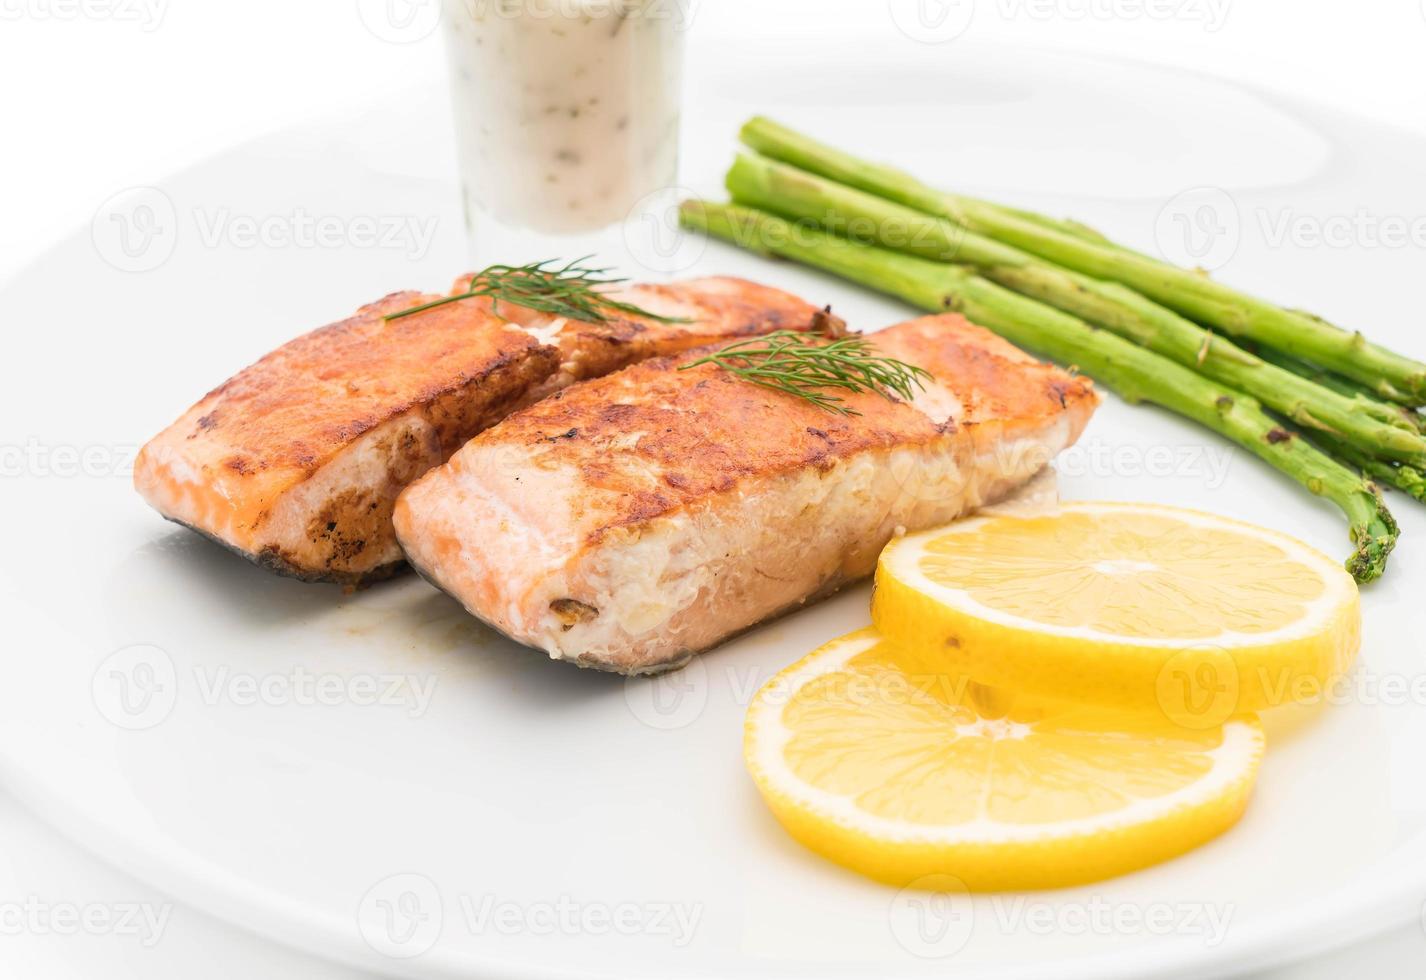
1129,605
916,778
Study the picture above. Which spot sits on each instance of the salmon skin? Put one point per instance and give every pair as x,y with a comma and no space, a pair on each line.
630,522
296,461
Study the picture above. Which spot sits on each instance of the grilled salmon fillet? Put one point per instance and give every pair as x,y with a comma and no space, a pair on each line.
296,461
630,522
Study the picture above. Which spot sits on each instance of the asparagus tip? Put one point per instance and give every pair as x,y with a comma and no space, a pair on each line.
1375,538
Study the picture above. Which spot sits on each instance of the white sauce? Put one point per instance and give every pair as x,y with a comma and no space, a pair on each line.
566,110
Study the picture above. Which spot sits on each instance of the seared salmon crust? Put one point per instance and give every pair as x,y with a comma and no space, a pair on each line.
296,461
630,522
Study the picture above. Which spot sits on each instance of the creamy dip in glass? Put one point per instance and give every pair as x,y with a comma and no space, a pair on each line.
567,116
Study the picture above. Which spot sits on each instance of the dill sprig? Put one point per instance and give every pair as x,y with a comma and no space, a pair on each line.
571,291
799,365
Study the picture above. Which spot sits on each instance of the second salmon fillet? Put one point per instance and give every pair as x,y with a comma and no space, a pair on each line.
631,522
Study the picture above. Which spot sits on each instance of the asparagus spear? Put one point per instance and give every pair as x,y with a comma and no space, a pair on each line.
1408,479
1342,386
797,194
1389,375
1066,225
1138,375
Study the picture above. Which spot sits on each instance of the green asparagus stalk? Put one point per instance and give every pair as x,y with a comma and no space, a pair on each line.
1408,479
1066,226
1342,386
1390,375
1138,375
799,195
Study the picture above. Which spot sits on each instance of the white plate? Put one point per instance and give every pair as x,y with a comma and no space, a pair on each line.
522,785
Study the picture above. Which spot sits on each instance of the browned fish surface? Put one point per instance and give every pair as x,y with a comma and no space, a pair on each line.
630,522
296,461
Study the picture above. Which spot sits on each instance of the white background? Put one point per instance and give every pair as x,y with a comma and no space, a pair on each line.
100,95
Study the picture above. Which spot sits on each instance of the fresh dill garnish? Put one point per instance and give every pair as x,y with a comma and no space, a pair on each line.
571,291
799,365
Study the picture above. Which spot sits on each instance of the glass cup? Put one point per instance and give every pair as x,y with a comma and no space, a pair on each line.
567,125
